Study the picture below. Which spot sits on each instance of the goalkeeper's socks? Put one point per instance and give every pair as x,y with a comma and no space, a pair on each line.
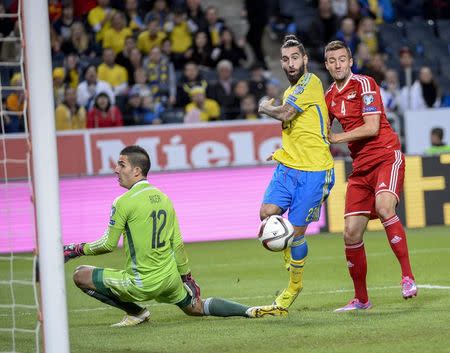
129,308
222,307
299,251
357,266
397,240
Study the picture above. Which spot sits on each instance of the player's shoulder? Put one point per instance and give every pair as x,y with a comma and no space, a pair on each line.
330,89
366,83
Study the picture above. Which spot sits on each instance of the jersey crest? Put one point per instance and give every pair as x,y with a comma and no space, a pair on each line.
368,99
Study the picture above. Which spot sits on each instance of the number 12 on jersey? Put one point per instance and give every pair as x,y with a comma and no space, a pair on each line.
156,216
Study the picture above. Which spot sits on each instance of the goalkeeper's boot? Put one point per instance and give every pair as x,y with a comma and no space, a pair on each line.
268,310
131,320
409,288
287,297
354,304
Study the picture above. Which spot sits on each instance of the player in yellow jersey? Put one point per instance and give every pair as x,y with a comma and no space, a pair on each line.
156,265
304,176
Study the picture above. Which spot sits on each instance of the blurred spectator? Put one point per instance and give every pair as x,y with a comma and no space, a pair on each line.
361,59
390,91
161,76
54,10
438,146
222,90
202,50
423,93
323,29
91,86
72,74
135,64
249,109
347,34
123,58
215,25
340,7
150,38
134,16
241,90
68,114
104,113
180,35
354,11
63,24
11,50
78,42
191,78
160,12
258,18
376,68
114,37
201,108
407,73
140,110
99,19
166,49
196,14
257,81
112,73
140,83
57,53
368,34
228,49
58,85
82,7
13,121
382,10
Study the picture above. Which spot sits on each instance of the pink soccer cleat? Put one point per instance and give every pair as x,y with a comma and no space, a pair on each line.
409,288
354,304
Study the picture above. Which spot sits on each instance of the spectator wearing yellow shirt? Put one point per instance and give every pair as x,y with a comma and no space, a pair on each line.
215,25
99,18
180,32
114,36
201,108
69,115
152,37
112,73
58,84
249,109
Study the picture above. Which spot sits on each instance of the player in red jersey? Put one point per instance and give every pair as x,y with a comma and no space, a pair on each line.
378,169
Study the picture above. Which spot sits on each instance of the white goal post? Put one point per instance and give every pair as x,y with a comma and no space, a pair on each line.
45,174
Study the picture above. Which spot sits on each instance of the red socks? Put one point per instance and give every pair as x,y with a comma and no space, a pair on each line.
357,266
397,240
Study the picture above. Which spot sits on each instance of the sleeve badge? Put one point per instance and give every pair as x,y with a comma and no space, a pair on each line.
368,99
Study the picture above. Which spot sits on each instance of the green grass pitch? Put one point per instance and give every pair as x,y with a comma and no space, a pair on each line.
244,271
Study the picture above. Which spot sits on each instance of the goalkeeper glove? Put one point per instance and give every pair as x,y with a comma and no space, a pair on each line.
72,251
192,287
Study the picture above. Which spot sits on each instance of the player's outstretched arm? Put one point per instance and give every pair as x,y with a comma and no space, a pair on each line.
284,112
370,128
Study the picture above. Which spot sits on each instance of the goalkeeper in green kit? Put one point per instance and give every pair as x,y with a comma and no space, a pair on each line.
157,266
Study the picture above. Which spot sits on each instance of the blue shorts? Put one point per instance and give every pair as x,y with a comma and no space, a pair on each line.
299,191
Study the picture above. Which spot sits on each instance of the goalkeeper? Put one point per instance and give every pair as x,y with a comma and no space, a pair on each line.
156,265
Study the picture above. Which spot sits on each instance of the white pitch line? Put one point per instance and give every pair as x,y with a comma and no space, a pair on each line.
100,308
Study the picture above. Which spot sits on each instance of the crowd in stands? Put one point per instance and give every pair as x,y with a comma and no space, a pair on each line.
138,62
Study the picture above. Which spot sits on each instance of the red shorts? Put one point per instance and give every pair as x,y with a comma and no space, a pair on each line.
364,186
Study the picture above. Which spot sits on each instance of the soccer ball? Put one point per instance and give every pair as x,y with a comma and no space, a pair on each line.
276,233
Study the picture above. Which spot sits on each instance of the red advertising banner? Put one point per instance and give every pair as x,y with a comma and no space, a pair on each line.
171,147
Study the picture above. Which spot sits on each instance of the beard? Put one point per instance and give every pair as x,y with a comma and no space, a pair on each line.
293,79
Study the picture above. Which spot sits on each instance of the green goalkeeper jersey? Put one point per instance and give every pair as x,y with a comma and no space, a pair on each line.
151,235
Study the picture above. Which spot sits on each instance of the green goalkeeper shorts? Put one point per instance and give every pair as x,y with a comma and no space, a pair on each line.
170,290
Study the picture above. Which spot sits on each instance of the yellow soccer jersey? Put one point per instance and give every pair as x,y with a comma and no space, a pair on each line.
304,138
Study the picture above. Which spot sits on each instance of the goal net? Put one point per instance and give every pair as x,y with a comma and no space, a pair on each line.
19,325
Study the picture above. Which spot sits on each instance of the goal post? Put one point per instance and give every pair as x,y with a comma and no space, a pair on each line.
45,174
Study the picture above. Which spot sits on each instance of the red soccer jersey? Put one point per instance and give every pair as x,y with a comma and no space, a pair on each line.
360,96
